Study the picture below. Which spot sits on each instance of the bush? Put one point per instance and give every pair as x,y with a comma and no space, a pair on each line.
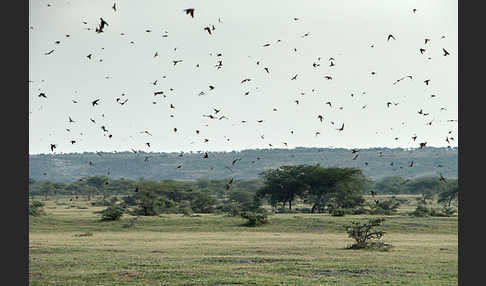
130,222
255,218
35,208
421,211
102,202
448,211
360,210
84,234
338,212
113,212
386,207
365,234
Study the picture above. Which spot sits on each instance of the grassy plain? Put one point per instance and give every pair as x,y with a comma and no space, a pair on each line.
208,249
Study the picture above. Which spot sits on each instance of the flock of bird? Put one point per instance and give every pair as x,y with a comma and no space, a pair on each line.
216,114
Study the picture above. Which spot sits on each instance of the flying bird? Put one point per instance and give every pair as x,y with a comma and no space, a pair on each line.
103,23
53,146
190,11
390,37
442,179
42,95
294,77
95,102
208,29
446,53
48,53
341,129
114,6
427,81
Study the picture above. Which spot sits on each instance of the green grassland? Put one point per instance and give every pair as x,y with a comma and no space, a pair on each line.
210,249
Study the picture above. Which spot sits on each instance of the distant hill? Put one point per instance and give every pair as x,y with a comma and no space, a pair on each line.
382,162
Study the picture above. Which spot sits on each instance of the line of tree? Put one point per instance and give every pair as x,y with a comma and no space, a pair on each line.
323,189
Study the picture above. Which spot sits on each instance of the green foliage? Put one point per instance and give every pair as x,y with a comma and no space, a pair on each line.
423,211
392,185
386,207
84,234
130,222
450,193
202,201
113,212
338,212
255,218
365,233
35,208
322,187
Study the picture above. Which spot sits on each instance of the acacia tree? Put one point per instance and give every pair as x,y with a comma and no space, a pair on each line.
284,184
335,187
426,186
450,193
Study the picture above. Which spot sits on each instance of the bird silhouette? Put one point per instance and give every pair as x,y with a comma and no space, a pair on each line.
328,77
294,77
422,51
207,29
114,7
390,37
341,129
70,120
320,117
190,11
102,25
427,81
446,53
48,53
95,102
42,95
442,179
53,146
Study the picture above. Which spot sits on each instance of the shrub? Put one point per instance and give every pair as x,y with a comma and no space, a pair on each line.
102,202
338,212
421,211
84,234
448,211
255,218
386,207
130,222
365,234
35,208
113,212
360,210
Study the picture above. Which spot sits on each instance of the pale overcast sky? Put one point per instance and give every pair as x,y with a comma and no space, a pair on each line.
343,30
